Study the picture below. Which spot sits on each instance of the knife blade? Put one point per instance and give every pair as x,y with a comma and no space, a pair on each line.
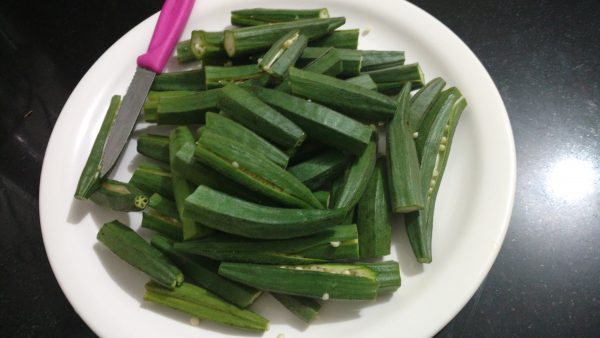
171,21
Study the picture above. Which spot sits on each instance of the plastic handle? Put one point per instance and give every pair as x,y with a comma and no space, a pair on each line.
171,21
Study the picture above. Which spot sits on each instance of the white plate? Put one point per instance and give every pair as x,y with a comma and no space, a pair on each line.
472,214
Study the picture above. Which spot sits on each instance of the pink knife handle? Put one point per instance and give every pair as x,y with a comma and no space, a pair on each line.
171,21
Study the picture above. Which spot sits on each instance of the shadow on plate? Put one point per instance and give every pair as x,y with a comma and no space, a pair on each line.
124,275
406,258
100,215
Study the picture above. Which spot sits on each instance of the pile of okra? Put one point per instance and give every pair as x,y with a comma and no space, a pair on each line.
304,148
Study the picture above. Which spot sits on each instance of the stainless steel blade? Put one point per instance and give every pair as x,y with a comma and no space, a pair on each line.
126,117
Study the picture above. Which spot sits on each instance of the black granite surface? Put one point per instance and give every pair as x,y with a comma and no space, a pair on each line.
544,57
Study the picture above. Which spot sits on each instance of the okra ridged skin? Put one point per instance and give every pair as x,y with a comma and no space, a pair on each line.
321,123
119,196
347,98
199,302
388,276
321,169
90,179
363,80
184,51
373,217
184,80
247,40
153,98
391,80
329,64
259,16
379,59
203,272
310,148
187,109
324,281
317,248
351,59
161,216
152,179
283,54
155,147
324,197
235,216
356,178
419,225
133,249
406,194
217,77
422,101
229,128
207,44
347,39
304,308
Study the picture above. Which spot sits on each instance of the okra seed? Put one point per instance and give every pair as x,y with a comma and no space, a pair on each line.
444,140
447,127
259,60
309,100
281,335
415,134
325,296
298,268
195,321
442,147
335,244
235,164
346,272
436,173
430,191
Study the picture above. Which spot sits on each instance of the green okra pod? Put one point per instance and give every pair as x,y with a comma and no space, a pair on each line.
347,39
133,249
249,168
406,194
207,45
260,16
283,54
339,242
161,215
321,169
324,281
151,179
379,59
363,80
388,276
373,217
238,217
324,197
184,51
309,148
217,77
203,272
243,106
422,101
247,40
155,147
356,178
119,196
304,308
188,109
179,137
351,59
227,127
329,63
323,124
154,97
90,179
345,97
184,80
391,80
201,303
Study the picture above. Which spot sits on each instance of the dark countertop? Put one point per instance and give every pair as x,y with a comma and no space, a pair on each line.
544,57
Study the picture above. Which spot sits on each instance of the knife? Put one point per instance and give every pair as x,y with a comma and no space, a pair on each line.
171,21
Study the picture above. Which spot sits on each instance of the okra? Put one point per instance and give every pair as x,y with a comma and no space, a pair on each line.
379,59
249,168
231,129
161,216
188,109
119,196
90,179
339,242
241,105
391,80
347,39
345,97
184,51
153,98
324,197
252,39
200,174
259,16
419,225
207,45
329,63
373,218
203,272
363,80
283,54
217,77
388,276
320,169
202,304
181,187
309,148
184,80
324,281
321,123
239,217
304,308
133,249
155,147
422,101
356,178
406,194
151,179
351,59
